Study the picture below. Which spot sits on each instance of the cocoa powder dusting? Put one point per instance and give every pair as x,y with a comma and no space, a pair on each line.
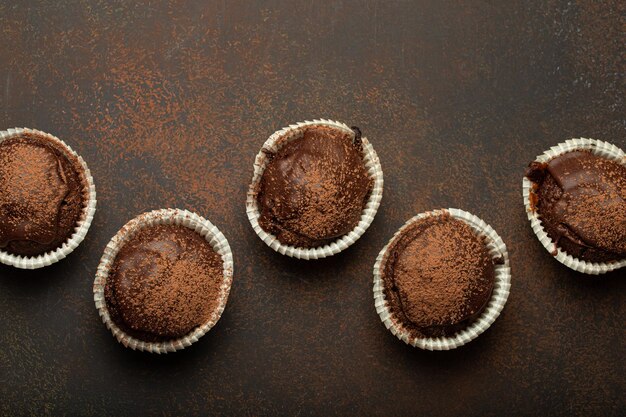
314,188
164,283
438,276
581,200
42,194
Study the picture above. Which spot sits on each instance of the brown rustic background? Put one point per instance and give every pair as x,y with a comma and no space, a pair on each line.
169,103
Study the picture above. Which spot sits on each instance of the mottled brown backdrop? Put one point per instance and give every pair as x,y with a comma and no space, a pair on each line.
169,103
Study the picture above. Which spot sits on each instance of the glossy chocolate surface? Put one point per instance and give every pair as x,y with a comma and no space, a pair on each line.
314,189
581,200
164,283
438,276
42,195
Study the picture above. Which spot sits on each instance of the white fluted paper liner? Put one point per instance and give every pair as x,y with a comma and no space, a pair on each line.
501,288
34,262
166,216
275,142
599,148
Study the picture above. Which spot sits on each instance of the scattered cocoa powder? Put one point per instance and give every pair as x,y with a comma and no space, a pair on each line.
314,188
581,201
438,276
43,193
164,282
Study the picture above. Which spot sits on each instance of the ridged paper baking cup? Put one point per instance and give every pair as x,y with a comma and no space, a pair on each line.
500,293
166,216
598,147
48,258
275,142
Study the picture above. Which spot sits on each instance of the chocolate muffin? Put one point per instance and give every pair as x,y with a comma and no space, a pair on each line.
43,192
580,198
314,188
164,282
438,276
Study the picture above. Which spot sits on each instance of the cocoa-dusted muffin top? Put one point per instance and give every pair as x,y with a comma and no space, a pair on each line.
43,192
164,282
580,198
438,276
314,188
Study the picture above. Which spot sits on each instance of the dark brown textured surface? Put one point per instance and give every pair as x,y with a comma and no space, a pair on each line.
169,105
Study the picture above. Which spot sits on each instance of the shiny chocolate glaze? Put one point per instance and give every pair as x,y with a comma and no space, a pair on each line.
581,200
164,282
314,188
42,195
438,276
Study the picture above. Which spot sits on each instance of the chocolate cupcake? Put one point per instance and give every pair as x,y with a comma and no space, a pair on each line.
575,195
316,188
441,280
47,198
164,280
